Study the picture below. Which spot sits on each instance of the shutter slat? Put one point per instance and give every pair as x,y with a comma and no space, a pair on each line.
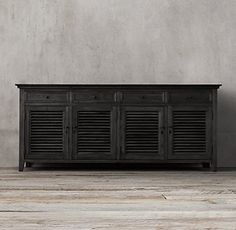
189,131
46,132
94,132
142,132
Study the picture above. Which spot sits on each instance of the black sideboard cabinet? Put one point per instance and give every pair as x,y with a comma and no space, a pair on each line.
162,123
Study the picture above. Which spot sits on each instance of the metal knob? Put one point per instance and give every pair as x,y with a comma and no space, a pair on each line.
162,130
170,130
189,98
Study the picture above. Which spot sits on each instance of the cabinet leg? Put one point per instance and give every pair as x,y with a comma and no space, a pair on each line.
213,167
21,166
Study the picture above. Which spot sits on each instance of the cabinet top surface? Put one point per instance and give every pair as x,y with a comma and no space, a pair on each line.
141,85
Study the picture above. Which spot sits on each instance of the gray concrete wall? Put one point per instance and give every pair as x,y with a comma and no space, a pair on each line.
117,41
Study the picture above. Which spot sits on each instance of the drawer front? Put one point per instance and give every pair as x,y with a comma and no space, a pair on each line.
143,97
46,96
93,96
199,96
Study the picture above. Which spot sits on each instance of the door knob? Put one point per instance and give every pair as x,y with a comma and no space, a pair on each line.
162,130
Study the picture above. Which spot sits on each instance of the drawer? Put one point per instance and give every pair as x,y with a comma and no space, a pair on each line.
93,96
198,96
143,97
46,96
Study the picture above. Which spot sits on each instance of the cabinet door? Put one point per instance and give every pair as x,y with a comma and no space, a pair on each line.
46,132
189,132
142,133
94,132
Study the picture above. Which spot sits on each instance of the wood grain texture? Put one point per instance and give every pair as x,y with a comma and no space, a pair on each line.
117,199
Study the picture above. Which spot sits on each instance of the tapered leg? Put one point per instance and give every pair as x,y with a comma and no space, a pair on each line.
213,166
21,165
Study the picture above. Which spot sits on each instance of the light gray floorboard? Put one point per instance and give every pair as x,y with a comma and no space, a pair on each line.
69,199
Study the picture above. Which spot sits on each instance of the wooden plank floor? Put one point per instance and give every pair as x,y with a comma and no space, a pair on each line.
70,199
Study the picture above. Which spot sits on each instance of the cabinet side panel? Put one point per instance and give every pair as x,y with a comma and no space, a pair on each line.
214,131
21,130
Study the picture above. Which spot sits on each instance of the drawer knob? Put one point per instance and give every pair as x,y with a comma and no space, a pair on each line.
47,97
190,98
95,97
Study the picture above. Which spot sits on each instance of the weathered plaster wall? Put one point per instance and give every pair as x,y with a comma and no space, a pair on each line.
117,41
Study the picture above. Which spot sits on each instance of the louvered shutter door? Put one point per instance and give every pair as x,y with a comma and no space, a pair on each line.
46,134
141,131
189,133
94,133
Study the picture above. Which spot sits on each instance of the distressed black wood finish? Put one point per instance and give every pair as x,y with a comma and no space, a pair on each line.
94,129
189,132
156,123
142,131
46,132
